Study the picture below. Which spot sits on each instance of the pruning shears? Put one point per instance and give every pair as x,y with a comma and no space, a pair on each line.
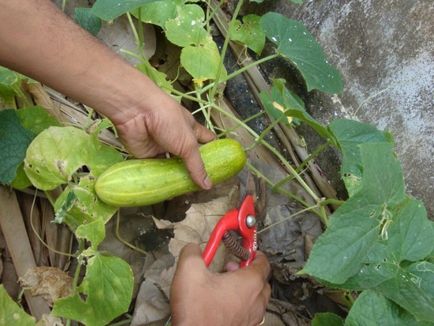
241,221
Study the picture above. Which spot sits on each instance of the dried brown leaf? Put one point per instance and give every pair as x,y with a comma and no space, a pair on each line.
49,282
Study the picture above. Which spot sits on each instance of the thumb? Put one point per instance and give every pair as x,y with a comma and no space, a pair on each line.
191,258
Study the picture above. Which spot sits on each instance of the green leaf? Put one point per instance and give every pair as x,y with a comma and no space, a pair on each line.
411,234
21,181
354,228
108,287
201,62
58,152
157,13
295,43
413,289
9,83
327,319
349,135
249,32
93,232
157,77
187,27
279,101
111,9
11,313
14,140
87,20
79,204
371,308
36,119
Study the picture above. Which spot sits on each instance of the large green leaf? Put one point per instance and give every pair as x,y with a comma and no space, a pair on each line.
354,228
11,313
201,62
58,152
371,308
157,13
279,101
108,288
349,135
14,140
249,32
295,43
110,9
412,289
327,319
187,28
87,20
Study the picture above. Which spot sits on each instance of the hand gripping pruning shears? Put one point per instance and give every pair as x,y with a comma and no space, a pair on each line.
241,221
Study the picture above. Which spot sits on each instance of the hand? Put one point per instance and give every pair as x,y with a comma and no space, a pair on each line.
73,62
162,125
200,297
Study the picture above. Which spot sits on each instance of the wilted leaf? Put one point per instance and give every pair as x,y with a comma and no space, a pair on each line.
157,13
58,152
79,204
14,140
187,27
202,62
11,313
93,232
249,32
49,282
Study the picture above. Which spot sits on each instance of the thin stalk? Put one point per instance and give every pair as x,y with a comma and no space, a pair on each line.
223,53
270,183
288,218
210,14
77,271
134,30
140,32
205,112
241,70
312,156
288,166
129,245
267,130
64,4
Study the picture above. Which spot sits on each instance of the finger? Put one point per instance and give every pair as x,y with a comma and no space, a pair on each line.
203,135
261,265
196,168
191,258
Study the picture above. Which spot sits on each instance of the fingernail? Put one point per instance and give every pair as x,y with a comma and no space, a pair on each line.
207,183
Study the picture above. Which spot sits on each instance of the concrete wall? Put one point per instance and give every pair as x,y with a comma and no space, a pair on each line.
385,52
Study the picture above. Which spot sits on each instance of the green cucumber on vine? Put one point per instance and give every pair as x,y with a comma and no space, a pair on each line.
377,245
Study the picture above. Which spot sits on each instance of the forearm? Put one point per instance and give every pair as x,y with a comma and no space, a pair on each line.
38,40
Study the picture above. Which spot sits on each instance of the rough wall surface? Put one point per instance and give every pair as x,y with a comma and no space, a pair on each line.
385,52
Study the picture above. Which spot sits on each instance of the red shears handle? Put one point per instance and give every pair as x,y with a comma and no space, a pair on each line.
235,220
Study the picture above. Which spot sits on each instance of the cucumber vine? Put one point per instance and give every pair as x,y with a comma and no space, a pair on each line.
377,244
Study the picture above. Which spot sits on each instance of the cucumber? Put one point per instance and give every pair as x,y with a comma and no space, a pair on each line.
149,181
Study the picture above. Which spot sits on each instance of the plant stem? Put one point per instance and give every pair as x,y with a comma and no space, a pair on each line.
288,217
223,53
241,70
134,30
77,271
